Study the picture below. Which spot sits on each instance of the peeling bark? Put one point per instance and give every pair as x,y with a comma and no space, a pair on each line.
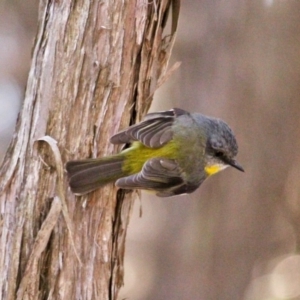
95,68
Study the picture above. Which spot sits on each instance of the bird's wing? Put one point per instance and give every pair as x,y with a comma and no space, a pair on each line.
154,131
161,175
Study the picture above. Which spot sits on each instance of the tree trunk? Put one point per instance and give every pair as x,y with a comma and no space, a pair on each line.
95,67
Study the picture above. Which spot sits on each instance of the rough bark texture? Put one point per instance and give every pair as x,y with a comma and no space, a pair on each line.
95,67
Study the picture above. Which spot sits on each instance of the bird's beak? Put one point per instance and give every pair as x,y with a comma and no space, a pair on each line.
236,165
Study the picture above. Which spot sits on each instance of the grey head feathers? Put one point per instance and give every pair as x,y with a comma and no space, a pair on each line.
221,138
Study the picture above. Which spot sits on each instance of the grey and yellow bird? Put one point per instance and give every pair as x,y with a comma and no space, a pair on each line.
172,152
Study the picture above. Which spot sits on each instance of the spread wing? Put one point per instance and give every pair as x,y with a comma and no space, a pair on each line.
159,174
154,131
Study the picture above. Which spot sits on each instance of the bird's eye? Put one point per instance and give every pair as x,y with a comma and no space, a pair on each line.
218,154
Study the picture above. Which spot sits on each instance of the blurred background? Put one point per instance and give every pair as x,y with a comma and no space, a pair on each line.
238,236
18,26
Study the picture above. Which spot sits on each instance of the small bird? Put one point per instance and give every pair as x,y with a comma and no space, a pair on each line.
172,152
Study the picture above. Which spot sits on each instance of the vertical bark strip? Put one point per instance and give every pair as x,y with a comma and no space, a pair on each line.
94,70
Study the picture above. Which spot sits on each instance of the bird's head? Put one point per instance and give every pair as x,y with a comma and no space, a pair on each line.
221,147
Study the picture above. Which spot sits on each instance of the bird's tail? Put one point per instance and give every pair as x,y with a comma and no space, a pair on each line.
90,174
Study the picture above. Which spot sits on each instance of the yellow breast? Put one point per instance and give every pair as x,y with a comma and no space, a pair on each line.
213,169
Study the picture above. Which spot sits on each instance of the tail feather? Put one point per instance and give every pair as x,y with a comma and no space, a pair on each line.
90,174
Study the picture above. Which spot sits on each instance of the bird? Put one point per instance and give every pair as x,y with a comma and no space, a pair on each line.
171,153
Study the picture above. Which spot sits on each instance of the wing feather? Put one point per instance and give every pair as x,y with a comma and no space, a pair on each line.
159,174
154,131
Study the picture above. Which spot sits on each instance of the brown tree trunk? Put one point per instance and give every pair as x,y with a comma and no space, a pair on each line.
95,67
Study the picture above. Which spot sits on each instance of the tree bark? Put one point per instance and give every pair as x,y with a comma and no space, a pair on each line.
95,67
